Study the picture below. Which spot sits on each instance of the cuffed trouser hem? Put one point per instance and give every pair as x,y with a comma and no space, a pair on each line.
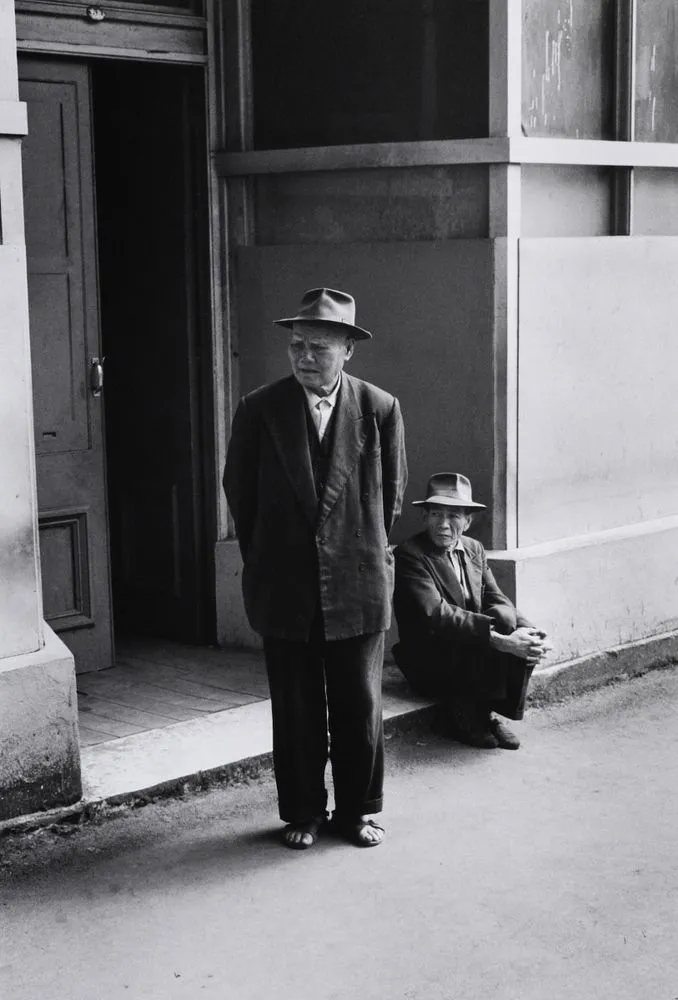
295,816
366,809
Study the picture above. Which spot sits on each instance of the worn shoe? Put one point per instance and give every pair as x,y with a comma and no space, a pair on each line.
468,727
481,738
301,836
504,736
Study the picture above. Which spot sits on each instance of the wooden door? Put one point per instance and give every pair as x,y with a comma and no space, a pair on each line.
64,320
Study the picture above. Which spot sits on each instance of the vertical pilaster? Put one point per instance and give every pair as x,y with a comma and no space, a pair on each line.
39,753
504,230
625,112
20,595
233,131
505,68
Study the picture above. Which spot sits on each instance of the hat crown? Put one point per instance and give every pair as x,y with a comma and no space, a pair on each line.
327,305
452,485
450,489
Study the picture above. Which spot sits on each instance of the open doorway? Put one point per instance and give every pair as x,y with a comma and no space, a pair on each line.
150,159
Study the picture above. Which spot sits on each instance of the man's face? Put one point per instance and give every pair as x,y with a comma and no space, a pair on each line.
317,355
445,525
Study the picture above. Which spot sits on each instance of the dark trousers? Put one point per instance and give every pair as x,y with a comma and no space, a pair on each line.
492,680
315,685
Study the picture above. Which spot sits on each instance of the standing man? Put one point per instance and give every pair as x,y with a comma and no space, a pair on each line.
315,476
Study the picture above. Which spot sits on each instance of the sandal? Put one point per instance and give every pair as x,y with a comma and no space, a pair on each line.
353,830
311,829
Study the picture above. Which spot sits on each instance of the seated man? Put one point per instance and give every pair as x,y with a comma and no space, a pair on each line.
461,639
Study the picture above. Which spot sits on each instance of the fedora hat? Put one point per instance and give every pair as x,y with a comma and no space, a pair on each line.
330,307
451,490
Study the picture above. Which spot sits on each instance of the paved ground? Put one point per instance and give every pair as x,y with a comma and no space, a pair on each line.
547,874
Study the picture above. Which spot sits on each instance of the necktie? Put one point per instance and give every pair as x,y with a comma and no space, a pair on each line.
321,412
457,560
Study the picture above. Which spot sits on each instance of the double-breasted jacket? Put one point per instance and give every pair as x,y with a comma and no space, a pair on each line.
303,552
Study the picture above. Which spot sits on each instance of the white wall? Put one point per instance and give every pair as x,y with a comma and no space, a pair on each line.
598,391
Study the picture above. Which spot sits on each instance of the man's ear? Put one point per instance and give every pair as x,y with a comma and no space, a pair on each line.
350,344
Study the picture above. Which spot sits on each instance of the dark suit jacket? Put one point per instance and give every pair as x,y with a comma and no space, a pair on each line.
429,604
301,551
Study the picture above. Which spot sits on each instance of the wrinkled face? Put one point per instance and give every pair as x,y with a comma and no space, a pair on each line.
317,355
445,525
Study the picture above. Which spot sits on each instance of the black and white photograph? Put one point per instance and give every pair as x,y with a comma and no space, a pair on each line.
339,500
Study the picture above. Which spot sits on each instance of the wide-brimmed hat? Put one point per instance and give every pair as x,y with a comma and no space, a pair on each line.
328,306
451,490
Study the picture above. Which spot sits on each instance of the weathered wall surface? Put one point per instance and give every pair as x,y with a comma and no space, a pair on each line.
20,603
364,206
597,591
598,407
597,485
39,754
39,751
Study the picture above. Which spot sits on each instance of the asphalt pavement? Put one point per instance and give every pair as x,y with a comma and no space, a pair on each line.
550,873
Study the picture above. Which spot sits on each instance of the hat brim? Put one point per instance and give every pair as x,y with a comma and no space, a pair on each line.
356,332
450,502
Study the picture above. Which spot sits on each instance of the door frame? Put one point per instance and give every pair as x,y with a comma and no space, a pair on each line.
173,39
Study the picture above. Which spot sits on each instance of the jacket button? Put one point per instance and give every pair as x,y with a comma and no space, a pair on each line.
361,567
358,533
322,539
366,496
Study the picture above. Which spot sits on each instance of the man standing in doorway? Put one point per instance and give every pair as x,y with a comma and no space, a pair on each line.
315,476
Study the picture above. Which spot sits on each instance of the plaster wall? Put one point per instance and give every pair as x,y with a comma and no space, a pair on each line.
598,591
9,86
597,400
39,750
20,599
655,202
362,206
559,200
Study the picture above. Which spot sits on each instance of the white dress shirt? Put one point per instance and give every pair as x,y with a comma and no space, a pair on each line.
321,407
456,554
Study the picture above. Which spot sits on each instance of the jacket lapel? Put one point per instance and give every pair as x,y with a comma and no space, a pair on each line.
286,422
474,574
349,438
441,568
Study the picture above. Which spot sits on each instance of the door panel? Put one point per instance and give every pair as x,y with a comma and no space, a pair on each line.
64,318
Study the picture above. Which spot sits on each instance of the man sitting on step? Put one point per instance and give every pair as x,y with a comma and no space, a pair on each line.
461,639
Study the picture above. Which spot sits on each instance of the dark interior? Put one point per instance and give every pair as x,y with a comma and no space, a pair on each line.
150,163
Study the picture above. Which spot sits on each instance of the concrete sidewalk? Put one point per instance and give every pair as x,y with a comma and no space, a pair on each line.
234,744
547,874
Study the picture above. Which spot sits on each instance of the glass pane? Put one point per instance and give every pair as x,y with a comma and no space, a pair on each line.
657,71
330,72
568,48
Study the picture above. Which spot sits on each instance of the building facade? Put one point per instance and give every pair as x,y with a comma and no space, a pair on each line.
495,182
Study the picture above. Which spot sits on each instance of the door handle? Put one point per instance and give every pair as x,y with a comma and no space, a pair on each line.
96,376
